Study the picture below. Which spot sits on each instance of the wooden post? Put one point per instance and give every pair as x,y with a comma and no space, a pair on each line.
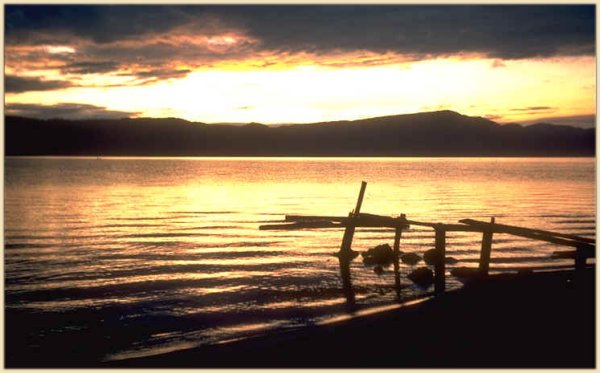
345,253
580,259
486,249
397,237
345,249
440,265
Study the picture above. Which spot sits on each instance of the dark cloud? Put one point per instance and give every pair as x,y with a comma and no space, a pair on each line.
90,67
531,109
160,74
151,43
16,84
65,111
101,24
499,31
506,31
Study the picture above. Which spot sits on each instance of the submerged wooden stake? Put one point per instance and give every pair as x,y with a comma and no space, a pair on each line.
345,249
397,237
345,254
486,249
440,265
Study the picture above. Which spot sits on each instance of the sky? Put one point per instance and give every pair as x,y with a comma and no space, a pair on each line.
301,63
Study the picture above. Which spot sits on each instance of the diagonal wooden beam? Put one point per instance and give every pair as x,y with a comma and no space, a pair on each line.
536,234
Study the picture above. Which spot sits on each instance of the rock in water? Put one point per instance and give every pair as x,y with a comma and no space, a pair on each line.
353,254
451,260
421,276
411,258
378,270
379,255
432,256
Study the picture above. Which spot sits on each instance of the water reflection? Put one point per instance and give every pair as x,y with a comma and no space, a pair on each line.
176,241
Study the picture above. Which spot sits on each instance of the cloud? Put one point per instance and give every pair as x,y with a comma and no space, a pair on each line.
500,31
156,42
493,117
65,111
149,76
90,67
582,121
534,109
16,84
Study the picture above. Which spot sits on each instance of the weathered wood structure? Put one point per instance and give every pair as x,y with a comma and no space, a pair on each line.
583,248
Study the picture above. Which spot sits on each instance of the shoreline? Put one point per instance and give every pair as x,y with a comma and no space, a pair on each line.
539,320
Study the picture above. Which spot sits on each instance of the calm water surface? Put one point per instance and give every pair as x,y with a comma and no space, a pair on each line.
114,258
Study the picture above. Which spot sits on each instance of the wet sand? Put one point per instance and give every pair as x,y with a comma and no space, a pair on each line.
542,320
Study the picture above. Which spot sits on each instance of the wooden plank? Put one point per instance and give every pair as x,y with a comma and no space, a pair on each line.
486,248
530,233
571,254
440,265
301,225
538,268
356,220
314,218
461,228
335,218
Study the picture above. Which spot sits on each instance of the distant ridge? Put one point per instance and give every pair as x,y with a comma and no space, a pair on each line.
438,133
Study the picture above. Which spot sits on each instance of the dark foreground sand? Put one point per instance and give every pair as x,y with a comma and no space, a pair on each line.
544,320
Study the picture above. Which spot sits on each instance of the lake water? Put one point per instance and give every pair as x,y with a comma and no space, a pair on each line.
122,257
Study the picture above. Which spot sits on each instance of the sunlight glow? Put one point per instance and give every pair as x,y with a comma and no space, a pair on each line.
59,49
512,91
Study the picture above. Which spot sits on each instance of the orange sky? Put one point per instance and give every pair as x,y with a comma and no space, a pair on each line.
232,73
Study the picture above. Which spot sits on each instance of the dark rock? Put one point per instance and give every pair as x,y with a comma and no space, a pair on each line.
432,256
524,272
410,258
421,276
465,273
378,269
379,255
353,254
451,260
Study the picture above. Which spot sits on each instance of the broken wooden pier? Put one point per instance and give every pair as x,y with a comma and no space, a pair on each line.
580,248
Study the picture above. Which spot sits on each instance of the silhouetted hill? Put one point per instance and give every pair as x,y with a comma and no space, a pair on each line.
441,133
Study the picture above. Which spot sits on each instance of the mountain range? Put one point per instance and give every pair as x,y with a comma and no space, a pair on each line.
440,133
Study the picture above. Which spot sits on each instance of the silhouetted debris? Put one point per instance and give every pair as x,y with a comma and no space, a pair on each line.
410,258
378,269
433,256
422,276
300,225
380,255
451,260
466,273
353,254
